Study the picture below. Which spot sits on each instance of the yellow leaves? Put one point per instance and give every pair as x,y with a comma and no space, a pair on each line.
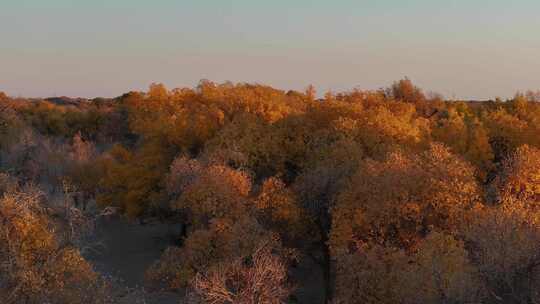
208,190
404,196
249,143
428,205
441,269
28,233
221,242
437,269
404,90
262,101
520,177
279,207
513,130
382,128
158,91
466,135
35,257
179,118
133,181
356,170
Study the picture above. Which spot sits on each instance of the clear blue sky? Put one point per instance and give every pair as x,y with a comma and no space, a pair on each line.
461,48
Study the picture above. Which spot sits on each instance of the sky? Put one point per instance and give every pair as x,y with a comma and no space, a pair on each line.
469,49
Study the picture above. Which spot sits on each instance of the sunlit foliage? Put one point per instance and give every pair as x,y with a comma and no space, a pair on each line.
39,265
396,194
400,200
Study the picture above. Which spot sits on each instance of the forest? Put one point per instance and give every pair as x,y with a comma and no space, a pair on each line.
395,195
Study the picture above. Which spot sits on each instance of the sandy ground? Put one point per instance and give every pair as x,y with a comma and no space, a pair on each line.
127,249
310,289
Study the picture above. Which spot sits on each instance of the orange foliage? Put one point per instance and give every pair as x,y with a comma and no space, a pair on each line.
519,179
399,196
438,271
401,199
37,264
211,191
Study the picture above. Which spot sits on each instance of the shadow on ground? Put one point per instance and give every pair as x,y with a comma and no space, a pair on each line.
126,249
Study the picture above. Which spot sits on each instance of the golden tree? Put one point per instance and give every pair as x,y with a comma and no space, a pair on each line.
519,179
399,200
38,265
208,191
437,271
279,209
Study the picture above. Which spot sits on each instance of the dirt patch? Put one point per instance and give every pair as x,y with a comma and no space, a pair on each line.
126,249
310,280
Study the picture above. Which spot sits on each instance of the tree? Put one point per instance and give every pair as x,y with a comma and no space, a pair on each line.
437,271
519,179
216,201
443,272
208,191
311,93
465,135
222,242
507,132
39,265
381,128
11,125
260,277
133,181
245,143
280,210
504,244
83,172
406,91
400,200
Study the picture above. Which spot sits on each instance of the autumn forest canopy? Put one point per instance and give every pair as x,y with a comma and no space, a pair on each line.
394,195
